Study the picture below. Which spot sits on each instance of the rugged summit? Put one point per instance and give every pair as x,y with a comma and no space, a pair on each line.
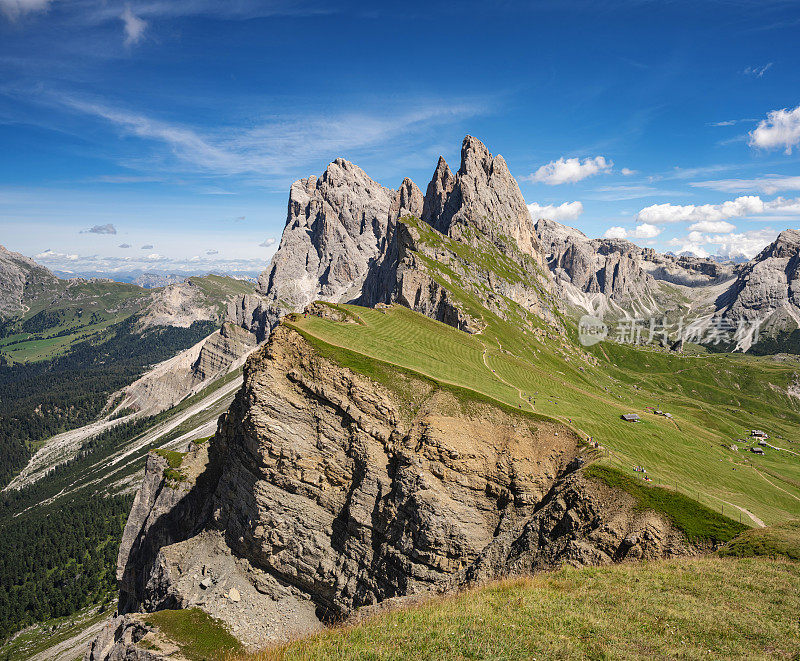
342,241
482,195
767,290
339,480
335,227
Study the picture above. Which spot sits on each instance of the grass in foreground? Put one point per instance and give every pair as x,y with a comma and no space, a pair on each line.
717,608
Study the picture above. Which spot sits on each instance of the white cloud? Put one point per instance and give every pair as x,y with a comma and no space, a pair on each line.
646,231
769,184
270,241
570,170
212,252
627,172
560,213
728,246
758,72
51,255
748,243
615,232
108,228
278,144
675,213
731,122
134,27
154,256
783,206
643,231
781,128
13,9
713,226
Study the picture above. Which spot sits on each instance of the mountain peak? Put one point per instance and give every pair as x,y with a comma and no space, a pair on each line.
786,245
474,155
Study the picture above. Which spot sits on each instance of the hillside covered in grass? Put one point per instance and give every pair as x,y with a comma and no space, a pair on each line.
714,399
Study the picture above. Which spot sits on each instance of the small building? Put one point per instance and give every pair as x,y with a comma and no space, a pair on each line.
630,417
763,443
757,450
757,433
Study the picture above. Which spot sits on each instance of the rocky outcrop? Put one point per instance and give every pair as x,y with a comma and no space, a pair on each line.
343,241
335,227
481,196
169,507
154,280
119,641
326,491
179,304
21,279
186,373
765,299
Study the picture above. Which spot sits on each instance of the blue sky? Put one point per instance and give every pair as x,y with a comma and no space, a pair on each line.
175,127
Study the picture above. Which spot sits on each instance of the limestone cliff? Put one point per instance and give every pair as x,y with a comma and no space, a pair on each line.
173,380
21,279
335,226
766,294
325,491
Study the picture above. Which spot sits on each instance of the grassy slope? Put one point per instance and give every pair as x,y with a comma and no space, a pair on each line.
714,399
199,636
782,539
687,608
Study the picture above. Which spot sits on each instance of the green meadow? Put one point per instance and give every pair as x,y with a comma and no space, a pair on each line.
714,399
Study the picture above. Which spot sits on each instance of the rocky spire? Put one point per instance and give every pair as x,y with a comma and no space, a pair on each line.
336,226
482,195
407,200
438,191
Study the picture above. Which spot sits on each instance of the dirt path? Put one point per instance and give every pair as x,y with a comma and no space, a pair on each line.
752,516
788,493
500,378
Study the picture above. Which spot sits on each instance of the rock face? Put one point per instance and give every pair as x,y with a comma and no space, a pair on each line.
482,195
179,304
153,280
336,225
171,381
343,242
118,642
766,293
616,277
324,492
21,278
